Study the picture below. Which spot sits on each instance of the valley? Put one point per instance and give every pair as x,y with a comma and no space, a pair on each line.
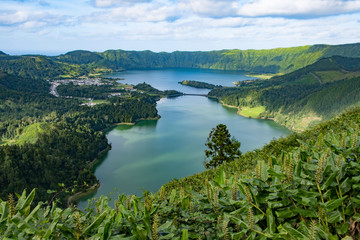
303,185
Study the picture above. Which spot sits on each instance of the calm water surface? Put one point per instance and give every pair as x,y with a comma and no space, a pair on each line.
151,153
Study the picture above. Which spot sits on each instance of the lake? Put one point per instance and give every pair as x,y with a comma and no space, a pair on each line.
147,155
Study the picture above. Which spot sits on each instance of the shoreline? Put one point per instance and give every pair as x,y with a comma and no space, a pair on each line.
238,113
76,196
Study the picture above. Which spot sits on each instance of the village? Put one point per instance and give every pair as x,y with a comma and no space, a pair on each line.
90,82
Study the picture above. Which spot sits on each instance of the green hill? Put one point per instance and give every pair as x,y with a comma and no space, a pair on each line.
77,63
258,61
299,99
305,186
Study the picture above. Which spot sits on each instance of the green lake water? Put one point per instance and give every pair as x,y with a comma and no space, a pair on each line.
153,152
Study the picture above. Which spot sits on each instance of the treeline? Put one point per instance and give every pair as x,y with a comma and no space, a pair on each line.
78,63
197,84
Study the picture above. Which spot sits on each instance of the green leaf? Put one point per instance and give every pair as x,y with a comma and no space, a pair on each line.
220,178
33,212
172,196
4,211
287,212
331,179
168,236
165,226
295,234
279,175
334,217
333,204
23,206
345,186
107,230
185,235
96,223
307,213
50,230
343,228
185,203
270,219
23,226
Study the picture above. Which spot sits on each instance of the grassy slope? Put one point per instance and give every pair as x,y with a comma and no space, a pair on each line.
28,134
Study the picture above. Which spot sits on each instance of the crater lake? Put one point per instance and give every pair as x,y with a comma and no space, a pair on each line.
150,153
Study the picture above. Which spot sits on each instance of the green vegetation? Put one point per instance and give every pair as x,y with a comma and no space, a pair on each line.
302,98
144,87
197,84
263,76
29,134
305,186
79,63
47,140
83,91
221,147
251,112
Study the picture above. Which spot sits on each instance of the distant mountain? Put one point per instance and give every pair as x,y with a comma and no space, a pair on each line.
77,63
302,98
80,57
258,61
2,53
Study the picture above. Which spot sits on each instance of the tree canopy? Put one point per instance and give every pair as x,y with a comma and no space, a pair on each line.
221,147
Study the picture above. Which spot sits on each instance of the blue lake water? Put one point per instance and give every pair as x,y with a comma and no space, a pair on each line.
149,154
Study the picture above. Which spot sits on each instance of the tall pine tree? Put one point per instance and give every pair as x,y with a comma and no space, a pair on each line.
221,147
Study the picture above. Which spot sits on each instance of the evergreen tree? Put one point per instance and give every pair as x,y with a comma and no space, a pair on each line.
221,147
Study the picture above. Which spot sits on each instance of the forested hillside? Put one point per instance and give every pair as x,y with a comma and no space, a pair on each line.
78,63
312,94
305,186
47,141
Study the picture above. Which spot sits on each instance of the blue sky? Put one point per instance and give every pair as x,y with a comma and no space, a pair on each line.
59,26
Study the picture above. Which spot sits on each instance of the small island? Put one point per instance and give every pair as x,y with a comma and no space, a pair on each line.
197,84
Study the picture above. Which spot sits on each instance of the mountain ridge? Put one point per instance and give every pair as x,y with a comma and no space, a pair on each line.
82,62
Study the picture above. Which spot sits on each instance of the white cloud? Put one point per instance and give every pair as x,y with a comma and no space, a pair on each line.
167,24
144,12
32,19
114,3
300,8
210,8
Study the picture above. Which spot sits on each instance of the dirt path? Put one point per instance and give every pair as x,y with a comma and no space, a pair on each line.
315,76
77,195
53,90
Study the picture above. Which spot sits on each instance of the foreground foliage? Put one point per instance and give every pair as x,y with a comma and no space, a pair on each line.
307,188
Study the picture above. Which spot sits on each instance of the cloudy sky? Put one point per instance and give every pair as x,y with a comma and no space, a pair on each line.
59,26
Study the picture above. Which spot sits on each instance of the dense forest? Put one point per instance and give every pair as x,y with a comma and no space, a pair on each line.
314,93
78,63
66,137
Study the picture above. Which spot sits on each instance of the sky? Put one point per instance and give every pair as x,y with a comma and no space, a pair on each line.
55,27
